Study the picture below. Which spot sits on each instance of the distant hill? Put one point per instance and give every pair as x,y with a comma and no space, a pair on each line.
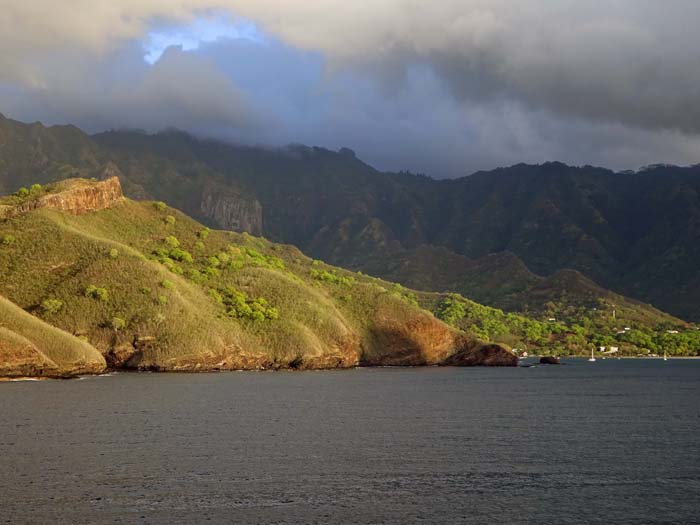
492,235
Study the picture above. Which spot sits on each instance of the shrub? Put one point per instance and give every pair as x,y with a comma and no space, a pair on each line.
204,233
161,254
51,306
160,206
168,285
255,258
196,276
214,294
113,253
174,268
210,271
400,291
101,294
213,261
170,220
35,188
118,323
332,277
240,306
199,245
7,239
162,300
180,255
172,241
146,291
22,193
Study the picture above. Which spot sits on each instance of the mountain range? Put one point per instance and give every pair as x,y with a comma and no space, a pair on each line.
542,240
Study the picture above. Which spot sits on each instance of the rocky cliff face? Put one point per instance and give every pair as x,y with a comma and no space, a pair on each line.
73,196
471,352
21,358
423,340
232,211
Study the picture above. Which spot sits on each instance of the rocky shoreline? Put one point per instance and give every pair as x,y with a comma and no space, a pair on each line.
475,354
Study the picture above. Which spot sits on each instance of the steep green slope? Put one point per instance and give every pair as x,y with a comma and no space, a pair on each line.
152,289
31,347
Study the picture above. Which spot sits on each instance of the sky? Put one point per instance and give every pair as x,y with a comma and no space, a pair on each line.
443,87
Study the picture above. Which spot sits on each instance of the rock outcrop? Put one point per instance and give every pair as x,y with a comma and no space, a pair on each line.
74,196
471,352
550,360
232,211
19,357
417,341
423,340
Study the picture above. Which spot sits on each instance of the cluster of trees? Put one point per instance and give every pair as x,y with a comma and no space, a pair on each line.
587,329
34,189
240,306
332,277
494,324
202,268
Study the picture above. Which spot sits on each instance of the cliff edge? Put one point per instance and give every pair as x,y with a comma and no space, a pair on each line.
74,196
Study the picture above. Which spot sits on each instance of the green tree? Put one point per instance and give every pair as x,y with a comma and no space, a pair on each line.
118,323
51,305
95,292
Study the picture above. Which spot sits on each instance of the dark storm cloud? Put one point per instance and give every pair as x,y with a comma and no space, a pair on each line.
442,87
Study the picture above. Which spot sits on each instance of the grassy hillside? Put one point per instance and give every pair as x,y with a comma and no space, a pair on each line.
31,347
153,289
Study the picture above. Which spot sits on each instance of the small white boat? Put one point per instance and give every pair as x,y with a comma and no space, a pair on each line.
592,359
665,356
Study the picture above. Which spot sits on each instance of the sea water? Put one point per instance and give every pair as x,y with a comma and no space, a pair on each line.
614,441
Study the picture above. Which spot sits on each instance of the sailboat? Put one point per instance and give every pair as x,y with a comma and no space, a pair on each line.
592,359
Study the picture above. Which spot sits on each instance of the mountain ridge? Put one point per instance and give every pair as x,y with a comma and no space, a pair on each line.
636,234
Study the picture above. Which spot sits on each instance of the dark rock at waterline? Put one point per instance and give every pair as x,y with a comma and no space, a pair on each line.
550,360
